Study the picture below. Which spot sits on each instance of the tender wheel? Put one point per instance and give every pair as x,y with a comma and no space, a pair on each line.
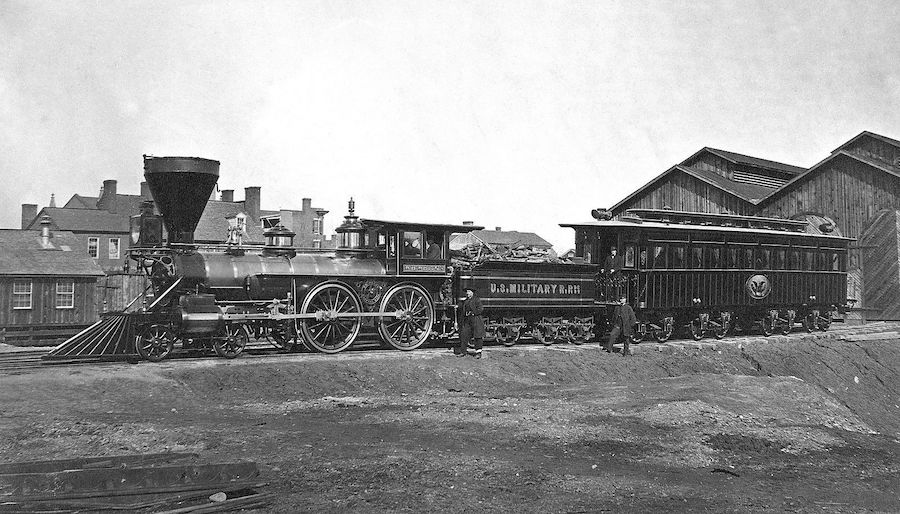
508,335
824,321
722,325
155,342
233,343
768,324
696,328
415,317
663,333
330,332
539,336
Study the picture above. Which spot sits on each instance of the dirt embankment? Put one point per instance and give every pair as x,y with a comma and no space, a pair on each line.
557,429
862,375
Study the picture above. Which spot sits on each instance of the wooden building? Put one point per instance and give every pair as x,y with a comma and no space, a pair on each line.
47,285
854,192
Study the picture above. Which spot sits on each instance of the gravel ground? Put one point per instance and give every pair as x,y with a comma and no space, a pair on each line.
807,423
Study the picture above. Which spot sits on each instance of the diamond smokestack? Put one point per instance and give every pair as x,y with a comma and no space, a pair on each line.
180,187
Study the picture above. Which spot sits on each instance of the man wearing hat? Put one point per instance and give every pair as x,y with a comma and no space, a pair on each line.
471,326
623,324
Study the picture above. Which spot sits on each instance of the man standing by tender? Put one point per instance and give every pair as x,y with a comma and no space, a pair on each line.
623,324
471,326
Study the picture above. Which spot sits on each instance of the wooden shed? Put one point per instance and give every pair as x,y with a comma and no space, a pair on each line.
47,286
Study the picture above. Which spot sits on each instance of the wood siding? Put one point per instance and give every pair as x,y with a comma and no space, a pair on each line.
43,311
683,192
725,289
873,148
115,291
847,191
880,262
714,163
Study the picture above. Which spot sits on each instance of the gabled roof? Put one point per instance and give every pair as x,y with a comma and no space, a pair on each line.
81,202
213,225
866,133
511,238
879,165
750,193
748,160
21,253
83,220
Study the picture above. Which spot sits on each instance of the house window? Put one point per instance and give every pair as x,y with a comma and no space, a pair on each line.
317,226
317,244
94,247
65,294
21,294
114,248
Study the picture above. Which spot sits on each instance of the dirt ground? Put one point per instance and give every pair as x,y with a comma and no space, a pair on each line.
801,424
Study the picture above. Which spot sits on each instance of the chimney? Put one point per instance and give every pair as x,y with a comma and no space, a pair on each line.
29,212
45,231
468,223
252,202
145,191
228,195
52,200
498,229
307,204
107,200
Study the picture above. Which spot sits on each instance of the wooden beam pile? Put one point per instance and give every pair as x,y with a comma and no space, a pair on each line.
159,482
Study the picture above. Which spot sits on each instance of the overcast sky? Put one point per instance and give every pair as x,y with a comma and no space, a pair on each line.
514,114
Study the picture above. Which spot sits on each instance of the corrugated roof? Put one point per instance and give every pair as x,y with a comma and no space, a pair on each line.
752,161
84,220
21,253
750,192
511,238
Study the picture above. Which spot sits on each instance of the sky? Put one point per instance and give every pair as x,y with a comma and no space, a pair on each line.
515,114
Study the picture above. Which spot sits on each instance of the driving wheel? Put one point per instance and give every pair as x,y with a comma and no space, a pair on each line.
413,319
334,327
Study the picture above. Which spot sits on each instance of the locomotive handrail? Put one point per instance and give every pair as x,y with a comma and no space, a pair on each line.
166,292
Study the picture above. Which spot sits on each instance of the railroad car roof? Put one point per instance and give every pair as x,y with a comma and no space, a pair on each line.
649,225
411,225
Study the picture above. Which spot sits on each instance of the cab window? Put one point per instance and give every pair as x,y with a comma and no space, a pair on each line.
434,245
629,256
412,244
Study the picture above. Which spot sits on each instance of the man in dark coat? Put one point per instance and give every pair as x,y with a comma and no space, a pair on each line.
613,263
623,324
471,326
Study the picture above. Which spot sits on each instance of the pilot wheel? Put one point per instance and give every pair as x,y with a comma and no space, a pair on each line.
233,342
155,342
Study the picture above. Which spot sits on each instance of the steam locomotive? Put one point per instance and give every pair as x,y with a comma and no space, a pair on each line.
707,273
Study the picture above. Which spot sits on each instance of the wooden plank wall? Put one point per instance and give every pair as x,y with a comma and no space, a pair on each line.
43,303
848,191
116,290
882,271
683,192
